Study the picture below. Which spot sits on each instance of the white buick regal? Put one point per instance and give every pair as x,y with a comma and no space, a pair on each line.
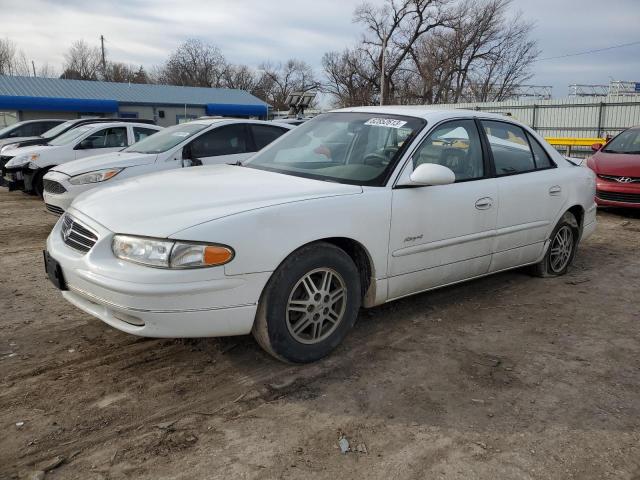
353,208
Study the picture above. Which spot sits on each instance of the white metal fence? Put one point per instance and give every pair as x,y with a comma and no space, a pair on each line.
567,117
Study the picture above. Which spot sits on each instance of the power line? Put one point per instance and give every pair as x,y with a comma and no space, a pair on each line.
589,51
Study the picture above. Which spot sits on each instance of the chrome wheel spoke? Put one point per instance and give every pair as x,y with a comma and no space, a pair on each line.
561,249
316,305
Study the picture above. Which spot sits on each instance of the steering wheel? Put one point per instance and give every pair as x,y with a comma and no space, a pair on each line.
375,159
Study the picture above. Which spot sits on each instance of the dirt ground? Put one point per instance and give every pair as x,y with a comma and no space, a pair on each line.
506,377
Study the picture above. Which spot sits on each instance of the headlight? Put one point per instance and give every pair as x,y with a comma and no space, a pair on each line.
6,148
22,160
168,253
95,176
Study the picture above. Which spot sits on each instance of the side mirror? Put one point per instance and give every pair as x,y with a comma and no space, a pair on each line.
84,144
431,174
596,146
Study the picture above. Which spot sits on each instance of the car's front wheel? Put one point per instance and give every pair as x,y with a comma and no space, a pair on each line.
562,248
309,304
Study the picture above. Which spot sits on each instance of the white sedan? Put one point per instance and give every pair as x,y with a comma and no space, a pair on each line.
28,165
200,142
353,208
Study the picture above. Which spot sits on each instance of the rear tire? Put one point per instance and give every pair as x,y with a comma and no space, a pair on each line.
562,248
309,304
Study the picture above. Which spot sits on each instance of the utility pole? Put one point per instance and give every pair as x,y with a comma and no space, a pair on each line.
33,64
104,62
382,68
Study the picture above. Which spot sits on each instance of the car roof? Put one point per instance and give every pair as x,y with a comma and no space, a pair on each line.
120,124
24,122
229,120
429,114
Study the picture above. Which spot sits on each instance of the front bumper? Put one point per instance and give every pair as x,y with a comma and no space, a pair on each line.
59,201
615,194
10,177
155,302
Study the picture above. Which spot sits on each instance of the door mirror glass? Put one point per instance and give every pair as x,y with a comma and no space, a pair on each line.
596,146
85,144
431,174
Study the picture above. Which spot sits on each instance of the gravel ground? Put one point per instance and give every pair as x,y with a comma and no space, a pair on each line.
506,377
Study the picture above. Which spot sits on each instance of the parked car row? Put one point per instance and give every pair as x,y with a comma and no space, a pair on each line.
352,208
79,155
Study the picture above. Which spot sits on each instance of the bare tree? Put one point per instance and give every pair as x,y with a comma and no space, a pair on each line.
391,32
241,77
280,80
82,62
437,51
194,64
12,61
350,80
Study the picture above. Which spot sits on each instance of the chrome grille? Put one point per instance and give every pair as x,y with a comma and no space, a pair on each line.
53,187
620,179
76,235
53,209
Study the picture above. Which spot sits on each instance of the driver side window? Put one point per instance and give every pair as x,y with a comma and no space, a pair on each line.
455,145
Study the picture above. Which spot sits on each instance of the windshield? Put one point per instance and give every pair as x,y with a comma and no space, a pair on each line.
627,142
167,138
55,131
70,136
8,129
347,147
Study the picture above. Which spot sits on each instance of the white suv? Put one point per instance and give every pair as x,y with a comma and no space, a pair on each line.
200,142
29,164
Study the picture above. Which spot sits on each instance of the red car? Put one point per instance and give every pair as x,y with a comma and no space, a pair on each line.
617,166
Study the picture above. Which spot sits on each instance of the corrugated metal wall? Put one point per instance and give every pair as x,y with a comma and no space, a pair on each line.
567,117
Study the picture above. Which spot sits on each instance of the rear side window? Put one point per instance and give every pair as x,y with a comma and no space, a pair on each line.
227,140
540,156
139,133
263,135
510,148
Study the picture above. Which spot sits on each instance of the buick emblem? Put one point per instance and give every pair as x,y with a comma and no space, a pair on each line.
624,180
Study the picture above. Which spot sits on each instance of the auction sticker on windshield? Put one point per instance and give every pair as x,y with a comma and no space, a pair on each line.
181,134
385,122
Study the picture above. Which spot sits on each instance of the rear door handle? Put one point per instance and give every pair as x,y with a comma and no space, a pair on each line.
555,190
484,203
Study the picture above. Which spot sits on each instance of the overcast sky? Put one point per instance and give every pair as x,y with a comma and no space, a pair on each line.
252,31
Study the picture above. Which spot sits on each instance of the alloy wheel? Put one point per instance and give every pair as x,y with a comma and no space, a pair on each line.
316,305
561,249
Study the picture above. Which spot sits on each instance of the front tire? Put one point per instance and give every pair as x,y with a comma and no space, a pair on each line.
562,249
309,304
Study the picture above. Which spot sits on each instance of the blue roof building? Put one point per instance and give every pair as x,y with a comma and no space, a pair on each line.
27,98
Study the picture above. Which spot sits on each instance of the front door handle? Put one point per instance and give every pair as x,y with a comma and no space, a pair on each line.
555,190
484,203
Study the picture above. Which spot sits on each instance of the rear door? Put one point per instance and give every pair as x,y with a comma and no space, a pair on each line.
226,144
263,135
104,140
531,193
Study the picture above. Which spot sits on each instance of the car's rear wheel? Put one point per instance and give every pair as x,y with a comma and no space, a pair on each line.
309,304
562,248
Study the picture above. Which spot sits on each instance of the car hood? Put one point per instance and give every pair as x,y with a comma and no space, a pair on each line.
617,164
105,160
161,204
7,141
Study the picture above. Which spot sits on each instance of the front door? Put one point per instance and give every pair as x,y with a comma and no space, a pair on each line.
444,234
227,144
105,140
